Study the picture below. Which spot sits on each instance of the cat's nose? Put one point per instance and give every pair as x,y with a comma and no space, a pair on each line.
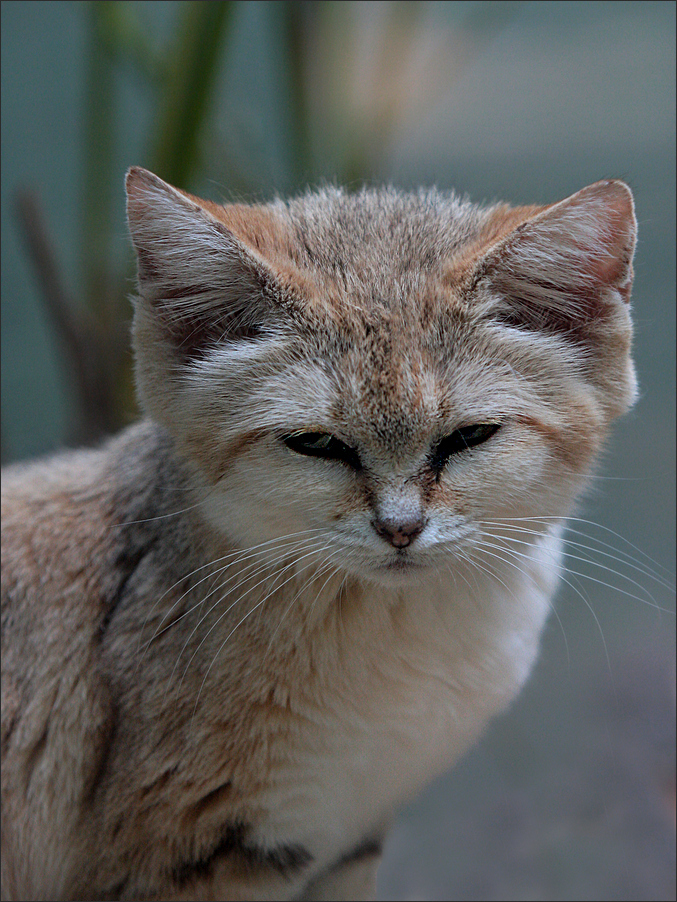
398,534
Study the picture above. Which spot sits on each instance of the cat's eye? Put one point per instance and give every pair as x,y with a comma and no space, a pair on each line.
322,444
461,440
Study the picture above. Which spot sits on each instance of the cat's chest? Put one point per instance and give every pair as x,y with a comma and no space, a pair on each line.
393,717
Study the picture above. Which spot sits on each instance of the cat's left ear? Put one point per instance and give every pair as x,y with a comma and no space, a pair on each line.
568,267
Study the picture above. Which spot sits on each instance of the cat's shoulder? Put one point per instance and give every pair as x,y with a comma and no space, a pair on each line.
61,514
69,476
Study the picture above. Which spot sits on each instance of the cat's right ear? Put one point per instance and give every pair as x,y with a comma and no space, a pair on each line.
566,271
201,283
566,267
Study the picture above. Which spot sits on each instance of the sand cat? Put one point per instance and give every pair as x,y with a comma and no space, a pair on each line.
240,635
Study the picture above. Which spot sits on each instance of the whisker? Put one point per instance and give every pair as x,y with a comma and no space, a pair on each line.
275,588
235,628
289,607
154,519
265,566
592,562
243,554
568,524
562,577
331,574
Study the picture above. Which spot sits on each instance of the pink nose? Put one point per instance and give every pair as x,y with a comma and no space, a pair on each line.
398,534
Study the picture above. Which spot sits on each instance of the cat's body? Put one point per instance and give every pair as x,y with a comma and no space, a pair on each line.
238,637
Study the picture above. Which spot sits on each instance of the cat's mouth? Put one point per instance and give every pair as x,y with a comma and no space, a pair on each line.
401,562
400,565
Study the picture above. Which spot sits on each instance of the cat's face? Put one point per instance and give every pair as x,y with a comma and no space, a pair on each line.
377,381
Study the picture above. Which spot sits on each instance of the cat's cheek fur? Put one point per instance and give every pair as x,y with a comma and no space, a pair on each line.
282,504
333,513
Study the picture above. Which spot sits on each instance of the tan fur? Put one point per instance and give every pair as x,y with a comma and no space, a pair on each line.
227,663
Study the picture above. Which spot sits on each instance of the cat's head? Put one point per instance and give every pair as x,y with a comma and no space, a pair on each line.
377,375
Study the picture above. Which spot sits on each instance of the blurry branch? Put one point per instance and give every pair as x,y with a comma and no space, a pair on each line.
375,70
77,333
41,252
93,333
122,31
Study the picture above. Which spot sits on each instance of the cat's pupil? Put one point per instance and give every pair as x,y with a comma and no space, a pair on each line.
323,441
461,440
323,444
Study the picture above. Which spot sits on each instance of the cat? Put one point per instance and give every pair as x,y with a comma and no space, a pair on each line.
241,634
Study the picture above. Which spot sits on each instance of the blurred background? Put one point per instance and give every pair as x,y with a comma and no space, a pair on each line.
572,794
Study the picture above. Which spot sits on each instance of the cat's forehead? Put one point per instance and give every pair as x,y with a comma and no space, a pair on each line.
356,236
380,309
367,238
393,400
389,379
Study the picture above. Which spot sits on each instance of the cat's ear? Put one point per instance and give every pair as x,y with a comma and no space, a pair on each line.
568,268
200,282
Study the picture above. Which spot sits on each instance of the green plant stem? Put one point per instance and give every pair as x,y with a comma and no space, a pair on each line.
100,112
191,66
295,16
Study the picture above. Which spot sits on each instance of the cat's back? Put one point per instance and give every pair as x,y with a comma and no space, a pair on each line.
51,510
58,559
55,552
